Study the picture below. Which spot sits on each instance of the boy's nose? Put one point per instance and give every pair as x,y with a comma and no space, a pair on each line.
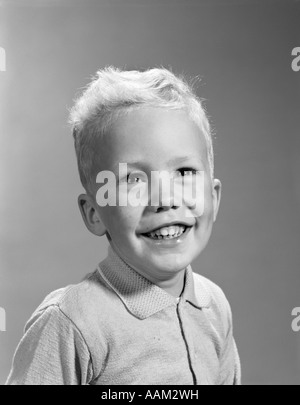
162,192
165,208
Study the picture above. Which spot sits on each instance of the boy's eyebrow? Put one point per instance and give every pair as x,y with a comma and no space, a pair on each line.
172,162
182,159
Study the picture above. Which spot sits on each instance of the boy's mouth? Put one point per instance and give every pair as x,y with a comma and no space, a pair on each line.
167,232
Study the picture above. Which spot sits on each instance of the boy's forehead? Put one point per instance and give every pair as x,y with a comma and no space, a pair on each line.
155,135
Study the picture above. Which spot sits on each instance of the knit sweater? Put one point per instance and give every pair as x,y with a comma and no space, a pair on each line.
116,327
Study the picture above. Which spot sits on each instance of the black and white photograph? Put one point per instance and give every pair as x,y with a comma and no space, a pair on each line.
150,194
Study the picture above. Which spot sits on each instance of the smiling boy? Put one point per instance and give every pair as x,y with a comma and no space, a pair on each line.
143,316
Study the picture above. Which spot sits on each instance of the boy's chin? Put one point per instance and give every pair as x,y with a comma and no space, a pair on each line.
170,266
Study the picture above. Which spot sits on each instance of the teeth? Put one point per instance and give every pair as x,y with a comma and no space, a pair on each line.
172,230
167,232
164,231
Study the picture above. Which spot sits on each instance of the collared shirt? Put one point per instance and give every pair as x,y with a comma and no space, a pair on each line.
116,327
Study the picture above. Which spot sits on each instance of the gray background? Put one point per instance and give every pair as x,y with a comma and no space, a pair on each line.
242,51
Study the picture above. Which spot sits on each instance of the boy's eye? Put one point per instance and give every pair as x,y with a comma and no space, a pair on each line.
136,177
185,171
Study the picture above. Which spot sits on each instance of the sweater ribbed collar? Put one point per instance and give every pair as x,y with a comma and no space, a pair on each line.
140,296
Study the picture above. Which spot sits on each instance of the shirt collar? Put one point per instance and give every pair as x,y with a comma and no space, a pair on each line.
140,296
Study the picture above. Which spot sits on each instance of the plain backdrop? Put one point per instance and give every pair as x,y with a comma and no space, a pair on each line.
241,50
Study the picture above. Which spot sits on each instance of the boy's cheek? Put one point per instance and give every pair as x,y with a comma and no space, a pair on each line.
120,219
209,209
107,215
202,206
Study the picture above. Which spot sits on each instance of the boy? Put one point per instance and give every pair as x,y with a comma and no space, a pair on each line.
143,316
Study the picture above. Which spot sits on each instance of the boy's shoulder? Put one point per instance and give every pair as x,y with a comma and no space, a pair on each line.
76,302
215,292
218,305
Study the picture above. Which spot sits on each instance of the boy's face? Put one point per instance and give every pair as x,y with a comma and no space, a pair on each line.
156,139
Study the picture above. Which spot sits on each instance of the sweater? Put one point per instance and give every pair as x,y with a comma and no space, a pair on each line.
116,327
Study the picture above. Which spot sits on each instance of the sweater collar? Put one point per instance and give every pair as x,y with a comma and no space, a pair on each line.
140,296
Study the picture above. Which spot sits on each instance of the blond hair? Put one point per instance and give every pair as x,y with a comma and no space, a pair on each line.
112,91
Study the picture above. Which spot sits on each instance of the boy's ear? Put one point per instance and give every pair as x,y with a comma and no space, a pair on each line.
90,216
217,188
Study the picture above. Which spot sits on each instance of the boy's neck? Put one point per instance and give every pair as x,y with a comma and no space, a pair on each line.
173,286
